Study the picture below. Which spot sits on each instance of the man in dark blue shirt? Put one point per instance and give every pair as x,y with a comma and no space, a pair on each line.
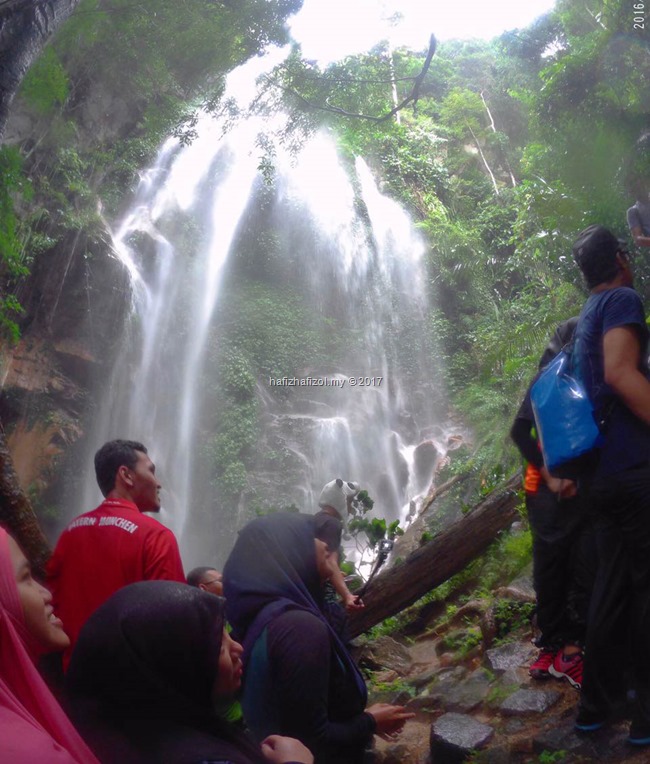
610,352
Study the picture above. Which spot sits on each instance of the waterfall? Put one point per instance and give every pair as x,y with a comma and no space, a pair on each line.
354,258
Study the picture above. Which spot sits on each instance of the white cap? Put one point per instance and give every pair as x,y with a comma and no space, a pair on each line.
336,493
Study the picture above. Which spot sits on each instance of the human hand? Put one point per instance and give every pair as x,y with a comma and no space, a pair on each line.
279,749
353,602
389,719
568,489
563,487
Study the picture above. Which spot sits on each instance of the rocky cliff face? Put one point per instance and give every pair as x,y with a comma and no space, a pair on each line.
74,300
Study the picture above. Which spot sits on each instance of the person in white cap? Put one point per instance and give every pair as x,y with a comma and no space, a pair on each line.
336,498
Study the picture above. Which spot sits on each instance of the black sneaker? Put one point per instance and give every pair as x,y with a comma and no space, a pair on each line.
639,735
587,721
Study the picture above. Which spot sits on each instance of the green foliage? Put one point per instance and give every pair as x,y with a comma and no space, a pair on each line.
375,529
462,641
393,689
511,615
46,85
273,328
13,186
552,757
425,538
498,694
362,498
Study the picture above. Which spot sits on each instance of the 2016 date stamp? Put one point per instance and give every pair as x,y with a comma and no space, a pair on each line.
639,15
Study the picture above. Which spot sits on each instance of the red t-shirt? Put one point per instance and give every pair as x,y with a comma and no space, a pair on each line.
102,551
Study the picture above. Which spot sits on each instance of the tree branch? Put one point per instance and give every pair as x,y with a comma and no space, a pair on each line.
412,97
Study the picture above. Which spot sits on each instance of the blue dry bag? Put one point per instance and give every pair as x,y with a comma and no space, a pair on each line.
564,416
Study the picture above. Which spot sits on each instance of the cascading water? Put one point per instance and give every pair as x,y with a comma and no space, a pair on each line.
355,260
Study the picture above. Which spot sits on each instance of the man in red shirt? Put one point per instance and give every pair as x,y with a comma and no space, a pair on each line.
115,544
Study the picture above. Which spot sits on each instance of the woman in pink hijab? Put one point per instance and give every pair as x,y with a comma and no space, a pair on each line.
33,727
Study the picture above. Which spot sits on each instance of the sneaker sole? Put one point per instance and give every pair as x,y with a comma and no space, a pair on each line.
539,674
639,741
561,675
588,727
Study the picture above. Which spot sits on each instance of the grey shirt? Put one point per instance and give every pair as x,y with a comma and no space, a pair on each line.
638,216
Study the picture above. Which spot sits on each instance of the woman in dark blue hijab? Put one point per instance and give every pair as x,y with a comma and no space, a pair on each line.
299,680
146,672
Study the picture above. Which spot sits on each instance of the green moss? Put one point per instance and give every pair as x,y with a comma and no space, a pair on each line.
46,84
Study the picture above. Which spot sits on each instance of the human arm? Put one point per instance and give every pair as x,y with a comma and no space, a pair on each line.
638,236
389,719
563,487
351,602
279,749
622,352
521,434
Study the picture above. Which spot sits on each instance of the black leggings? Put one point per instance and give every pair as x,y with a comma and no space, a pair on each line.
563,567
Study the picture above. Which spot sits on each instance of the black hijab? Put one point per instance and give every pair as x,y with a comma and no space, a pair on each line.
272,569
141,677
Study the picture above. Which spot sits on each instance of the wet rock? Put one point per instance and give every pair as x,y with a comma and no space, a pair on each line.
104,114
521,589
386,653
514,677
509,656
385,677
422,680
451,674
462,696
317,408
467,695
424,702
425,457
597,746
394,754
513,726
497,755
529,702
455,736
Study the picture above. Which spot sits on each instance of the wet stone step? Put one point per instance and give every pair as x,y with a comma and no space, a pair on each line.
509,656
455,736
529,702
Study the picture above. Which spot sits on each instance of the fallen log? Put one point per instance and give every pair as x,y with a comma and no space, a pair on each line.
437,560
17,515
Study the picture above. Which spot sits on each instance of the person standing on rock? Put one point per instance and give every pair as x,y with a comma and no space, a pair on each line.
334,505
610,357
114,545
562,576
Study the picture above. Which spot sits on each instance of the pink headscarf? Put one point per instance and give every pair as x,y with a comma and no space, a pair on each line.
33,727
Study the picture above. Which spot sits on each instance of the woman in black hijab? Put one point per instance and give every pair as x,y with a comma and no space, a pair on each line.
146,672
300,679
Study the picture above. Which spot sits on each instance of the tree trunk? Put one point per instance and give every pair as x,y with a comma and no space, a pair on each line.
442,557
485,161
17,515
25,27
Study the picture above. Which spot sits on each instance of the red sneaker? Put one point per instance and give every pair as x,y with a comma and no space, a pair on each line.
541,668
568,667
